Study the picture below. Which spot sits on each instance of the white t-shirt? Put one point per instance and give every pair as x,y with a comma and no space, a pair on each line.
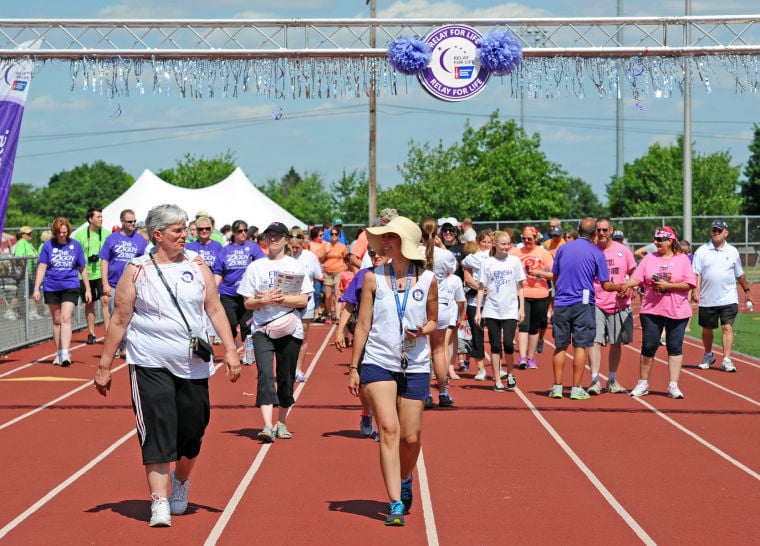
472,262
157,337
314,270
719,269
456,287
500,277
261,276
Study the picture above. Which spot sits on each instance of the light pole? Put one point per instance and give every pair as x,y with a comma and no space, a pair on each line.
687,187
372,160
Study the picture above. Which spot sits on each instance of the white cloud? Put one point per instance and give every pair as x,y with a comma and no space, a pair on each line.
453,9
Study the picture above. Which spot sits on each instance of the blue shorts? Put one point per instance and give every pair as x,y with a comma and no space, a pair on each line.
413,386
577,321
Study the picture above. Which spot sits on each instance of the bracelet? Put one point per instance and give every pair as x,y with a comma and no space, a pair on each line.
354,368
747,290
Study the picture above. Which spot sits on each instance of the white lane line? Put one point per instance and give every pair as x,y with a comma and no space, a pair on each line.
63,485
38,361
608,496
237,496
427,504
53,402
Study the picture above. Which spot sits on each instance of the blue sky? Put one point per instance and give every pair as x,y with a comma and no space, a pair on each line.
328,136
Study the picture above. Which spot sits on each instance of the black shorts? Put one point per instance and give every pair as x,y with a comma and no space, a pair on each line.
709,316
171,413
58,297
96,289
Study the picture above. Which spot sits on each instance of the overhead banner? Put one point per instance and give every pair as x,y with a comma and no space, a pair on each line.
14,88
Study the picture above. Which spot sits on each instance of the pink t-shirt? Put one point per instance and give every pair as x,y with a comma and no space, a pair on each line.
620,262
677,268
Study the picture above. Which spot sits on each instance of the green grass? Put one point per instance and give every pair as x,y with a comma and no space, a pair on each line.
746,333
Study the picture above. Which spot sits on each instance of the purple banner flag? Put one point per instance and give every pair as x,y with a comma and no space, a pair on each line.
15,77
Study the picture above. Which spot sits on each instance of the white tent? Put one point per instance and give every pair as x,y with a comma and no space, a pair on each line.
234,198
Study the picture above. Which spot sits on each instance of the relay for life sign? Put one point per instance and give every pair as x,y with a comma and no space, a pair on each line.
454,73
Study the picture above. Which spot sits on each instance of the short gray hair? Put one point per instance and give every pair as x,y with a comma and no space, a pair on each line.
162,216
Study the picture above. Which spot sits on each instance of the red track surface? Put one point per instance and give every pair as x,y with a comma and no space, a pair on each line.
497,468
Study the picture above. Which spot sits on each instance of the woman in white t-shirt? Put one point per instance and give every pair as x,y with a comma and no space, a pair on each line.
501,302
276,288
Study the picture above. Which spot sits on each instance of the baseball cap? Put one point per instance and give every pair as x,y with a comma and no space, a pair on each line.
720,224
618,235
277,227
337,222
26,230
450,220
555,231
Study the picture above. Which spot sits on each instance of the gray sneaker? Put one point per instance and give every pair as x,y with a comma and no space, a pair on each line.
578,393
614,387
556,391
281,431
178,498
267,435
707,360
641,388
595,388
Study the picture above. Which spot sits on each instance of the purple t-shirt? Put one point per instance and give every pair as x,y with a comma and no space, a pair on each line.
63,263
353,292
576,265
118,250
232,262
209,252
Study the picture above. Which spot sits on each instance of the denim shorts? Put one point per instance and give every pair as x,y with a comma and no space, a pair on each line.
413,386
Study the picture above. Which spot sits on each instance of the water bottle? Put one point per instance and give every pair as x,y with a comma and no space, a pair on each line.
749,305
249,357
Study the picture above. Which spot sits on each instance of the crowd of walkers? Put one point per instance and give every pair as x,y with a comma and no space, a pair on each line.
417,302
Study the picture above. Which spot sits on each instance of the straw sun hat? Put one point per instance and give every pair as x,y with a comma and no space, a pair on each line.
403,227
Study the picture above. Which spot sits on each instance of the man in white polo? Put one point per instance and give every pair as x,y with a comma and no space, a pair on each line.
717,267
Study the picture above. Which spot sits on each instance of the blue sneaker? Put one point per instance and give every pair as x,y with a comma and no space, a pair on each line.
407,497
366,427
396,515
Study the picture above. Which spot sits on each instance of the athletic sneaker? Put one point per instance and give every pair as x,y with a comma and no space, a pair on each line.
445,400
267,435
300,377
522,363
556,391
91,339
407,497
365,425
178,498
502,374
498,387
641,388
674,392
540,345
614,387
117,354
429,403
595,388
578,393
461,366
66,361
707,360
281,431
727,365
395,514
532,364
481,375
56,361
160,514
511,381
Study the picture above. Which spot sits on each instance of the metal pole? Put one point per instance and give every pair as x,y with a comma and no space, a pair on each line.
687,186
620,153
372,175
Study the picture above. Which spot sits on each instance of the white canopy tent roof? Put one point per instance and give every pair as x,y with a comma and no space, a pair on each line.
234,198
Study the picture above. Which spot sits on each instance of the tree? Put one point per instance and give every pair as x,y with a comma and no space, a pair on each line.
582,201
750,188
653,184
348,197
304,197
71,193
192,172
496,171
22,208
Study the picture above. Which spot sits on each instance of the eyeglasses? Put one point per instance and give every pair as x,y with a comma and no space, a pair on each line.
527,238
372,253
602,230
242,230
204,229
334,233
293,236
129,221
448,230
717,230
661,239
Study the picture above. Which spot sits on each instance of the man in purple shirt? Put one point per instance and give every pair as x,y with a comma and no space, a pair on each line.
576,265
120,247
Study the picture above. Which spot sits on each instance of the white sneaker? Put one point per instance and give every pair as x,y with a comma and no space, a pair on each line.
595,388
674,392
707,360
300,377
34,315
481,375
641,388
10,315
160,515
727,365
56,361
178,498
502,374
614,387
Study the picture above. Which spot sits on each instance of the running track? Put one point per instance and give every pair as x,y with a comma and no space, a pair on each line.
497,468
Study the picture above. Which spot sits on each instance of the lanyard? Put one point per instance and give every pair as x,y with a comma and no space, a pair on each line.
401,308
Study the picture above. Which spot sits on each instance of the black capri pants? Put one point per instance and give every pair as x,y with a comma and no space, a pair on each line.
285,349
237,315
501,331
535,315
478,336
